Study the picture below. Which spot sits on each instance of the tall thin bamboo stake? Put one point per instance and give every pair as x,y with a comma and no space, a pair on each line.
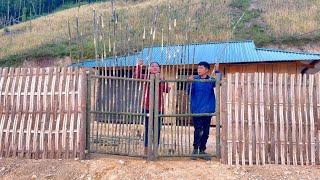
293,117
300,101
305,112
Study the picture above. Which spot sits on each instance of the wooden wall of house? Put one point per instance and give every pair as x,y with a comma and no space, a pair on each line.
271,67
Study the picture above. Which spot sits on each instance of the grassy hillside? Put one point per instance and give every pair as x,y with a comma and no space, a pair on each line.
266,22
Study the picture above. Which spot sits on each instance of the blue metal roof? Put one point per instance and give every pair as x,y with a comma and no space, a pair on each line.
214,52
280,55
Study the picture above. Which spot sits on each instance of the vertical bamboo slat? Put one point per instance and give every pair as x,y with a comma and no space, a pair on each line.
250,133
11,111
47,78
3,82
21,143
82,100
31,112
229,117
269,117
224,122
286,116
243,132
262,118
311,115
293,119
73,112
306,118
318,111
300,137
61,110
256,118
38,105
17,114
52,116
275,119
66,112
281,121
236,117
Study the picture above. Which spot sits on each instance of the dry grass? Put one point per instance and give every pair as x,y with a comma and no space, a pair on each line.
213,24
291,17
199,21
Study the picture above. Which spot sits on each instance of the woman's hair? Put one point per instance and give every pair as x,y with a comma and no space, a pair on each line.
154,62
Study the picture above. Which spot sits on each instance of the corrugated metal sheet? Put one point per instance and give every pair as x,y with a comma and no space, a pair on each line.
214,52
279,55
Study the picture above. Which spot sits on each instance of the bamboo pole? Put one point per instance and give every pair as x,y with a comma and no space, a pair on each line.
18,109
256,117
157,95
243,132
151,119
300,101
262,118
275,118
10,105
42,148
318,110
236,118
82,100
229,116
10,122
73,109
7,76
281,120
250,113
53,114
269,116
311,116
31,112
293,118
26,84
305,111
58,146
286,116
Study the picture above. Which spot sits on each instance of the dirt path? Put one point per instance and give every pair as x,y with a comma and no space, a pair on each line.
115,167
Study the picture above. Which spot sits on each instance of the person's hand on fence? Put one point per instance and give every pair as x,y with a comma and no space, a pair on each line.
216,67
191,78
140,62
161,77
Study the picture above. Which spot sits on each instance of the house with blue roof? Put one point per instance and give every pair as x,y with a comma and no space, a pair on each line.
232,56
180,61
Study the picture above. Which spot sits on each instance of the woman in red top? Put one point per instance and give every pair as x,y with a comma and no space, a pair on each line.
154,68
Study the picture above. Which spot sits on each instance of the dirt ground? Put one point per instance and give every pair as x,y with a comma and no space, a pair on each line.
116,167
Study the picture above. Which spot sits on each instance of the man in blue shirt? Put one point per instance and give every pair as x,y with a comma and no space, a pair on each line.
202,101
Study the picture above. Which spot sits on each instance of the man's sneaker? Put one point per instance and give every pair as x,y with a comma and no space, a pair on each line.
195,154
204,155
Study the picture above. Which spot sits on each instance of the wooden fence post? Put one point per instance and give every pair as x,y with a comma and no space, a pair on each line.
218,101
83,119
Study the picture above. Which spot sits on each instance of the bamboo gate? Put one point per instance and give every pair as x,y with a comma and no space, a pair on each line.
271,118
42,112
119,123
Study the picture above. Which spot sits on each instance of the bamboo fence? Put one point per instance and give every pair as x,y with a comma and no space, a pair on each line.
270,119
42,112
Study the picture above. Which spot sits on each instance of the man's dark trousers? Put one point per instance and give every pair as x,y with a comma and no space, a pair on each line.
201,131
